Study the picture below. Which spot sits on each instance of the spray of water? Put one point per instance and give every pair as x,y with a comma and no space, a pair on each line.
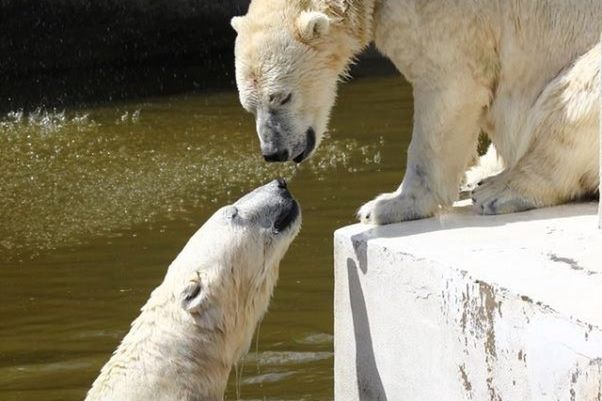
71,176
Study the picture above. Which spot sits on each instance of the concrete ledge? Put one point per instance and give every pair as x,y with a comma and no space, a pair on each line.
467,307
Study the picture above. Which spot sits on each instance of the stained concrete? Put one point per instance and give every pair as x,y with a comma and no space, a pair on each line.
468,307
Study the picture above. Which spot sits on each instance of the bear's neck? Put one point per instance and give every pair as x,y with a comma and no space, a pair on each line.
159,348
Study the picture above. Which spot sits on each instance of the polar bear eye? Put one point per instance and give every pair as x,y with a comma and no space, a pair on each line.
287,99
230,212
280,98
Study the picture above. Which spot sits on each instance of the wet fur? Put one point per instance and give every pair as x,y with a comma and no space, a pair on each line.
200,321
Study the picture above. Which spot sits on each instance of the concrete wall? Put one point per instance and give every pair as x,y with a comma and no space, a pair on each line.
467,307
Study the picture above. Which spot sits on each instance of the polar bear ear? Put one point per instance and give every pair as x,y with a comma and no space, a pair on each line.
236,22
192,296
195,301
313,25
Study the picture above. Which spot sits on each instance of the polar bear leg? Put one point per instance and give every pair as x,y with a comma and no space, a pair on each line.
562,162
446,128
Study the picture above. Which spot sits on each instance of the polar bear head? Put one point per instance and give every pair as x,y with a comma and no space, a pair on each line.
200,321
289,55
234,258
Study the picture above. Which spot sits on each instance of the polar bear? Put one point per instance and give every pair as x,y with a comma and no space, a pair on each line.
524,72
201,319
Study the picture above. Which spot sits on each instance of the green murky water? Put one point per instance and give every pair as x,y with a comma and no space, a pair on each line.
95,203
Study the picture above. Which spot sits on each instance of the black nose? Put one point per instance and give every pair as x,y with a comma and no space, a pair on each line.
281,156
281,182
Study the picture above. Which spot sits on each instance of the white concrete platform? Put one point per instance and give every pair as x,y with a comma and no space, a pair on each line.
468,307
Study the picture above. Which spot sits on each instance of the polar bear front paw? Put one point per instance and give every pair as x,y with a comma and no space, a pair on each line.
489,165
390,208
496,195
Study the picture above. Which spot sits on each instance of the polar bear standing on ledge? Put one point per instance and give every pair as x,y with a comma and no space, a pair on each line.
526,73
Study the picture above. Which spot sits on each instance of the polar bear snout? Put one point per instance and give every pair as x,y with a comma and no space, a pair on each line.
274,135
271,206
281,183
272,152
277,156
282,138
287,209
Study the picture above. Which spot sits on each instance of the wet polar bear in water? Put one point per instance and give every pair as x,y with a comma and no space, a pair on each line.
200,320
524,72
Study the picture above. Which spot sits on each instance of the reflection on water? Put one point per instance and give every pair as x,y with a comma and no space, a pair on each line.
95,203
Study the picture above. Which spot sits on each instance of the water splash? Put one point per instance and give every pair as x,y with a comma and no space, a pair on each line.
69,176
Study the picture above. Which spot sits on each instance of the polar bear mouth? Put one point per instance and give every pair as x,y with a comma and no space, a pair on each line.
310,144
287,216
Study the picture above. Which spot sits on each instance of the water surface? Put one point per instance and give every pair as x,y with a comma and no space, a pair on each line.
95,203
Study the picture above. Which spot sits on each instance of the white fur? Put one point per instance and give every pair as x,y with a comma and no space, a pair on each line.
200,320
526,73
281,50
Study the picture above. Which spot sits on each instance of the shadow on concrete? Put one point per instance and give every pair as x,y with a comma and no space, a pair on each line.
361,251
370,386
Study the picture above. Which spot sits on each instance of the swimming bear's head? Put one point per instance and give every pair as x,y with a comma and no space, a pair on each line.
233,259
